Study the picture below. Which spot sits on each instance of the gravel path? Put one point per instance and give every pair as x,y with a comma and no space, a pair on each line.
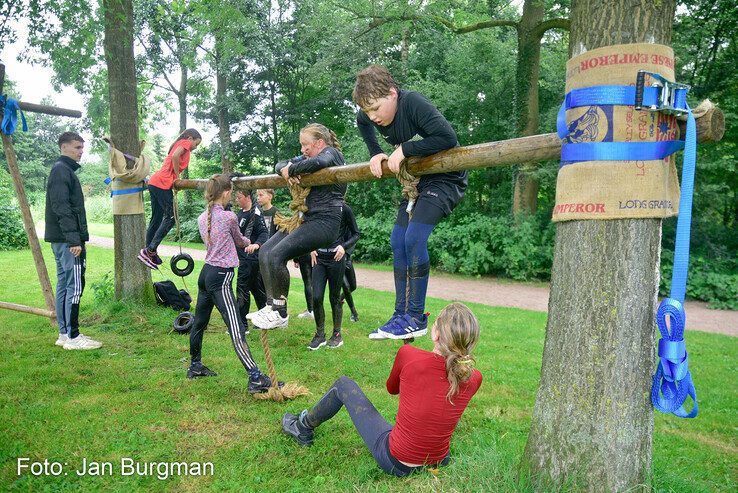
488,292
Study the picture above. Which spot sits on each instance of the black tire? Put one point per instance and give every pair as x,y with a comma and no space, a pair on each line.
188,268
183,323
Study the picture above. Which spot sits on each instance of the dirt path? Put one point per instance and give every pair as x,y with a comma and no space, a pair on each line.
488,292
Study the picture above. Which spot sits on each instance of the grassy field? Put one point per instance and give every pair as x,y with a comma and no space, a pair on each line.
131,400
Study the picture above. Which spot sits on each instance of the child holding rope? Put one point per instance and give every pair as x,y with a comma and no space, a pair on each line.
329,266
400,115
434,387
220,233
319,227
162,197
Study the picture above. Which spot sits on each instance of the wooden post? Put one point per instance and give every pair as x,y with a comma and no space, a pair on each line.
536,148
38,257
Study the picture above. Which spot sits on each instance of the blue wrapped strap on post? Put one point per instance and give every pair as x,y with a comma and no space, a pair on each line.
672,382
10,115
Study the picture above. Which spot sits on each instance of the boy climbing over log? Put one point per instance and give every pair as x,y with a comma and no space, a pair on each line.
400,115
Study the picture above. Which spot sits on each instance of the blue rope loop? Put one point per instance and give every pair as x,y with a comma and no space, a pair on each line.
10,115
672,382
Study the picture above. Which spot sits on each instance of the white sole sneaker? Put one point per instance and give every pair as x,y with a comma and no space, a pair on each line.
250,316
63,339
270,320
82,343
408,335
376,335
306,314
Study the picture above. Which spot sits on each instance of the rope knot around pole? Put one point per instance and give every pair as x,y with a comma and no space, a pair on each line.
298,206
409,186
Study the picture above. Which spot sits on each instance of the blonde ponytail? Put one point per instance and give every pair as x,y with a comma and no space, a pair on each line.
458,332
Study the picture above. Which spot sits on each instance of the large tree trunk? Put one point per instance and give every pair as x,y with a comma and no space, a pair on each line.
132,278
221,104
593,421
525,194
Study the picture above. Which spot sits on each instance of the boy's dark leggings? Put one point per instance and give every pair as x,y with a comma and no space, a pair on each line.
328,271
372,427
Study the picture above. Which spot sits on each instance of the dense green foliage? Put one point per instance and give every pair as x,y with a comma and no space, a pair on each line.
12,235
283,69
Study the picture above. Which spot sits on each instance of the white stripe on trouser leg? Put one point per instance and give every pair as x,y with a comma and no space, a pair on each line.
77,282
230,313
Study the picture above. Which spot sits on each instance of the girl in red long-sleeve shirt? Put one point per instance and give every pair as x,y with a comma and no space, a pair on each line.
434,387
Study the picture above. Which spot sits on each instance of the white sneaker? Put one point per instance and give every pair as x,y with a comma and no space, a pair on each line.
306,314
250,316
82,342
270,320
63,339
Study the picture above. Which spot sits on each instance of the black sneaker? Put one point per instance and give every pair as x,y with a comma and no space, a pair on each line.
354,317
262,384
317,342
199,370
335,341
292,426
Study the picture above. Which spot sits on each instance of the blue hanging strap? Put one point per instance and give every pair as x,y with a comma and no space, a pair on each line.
672,382
10,115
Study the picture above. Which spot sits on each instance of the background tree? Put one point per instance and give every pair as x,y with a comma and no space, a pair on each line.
132,278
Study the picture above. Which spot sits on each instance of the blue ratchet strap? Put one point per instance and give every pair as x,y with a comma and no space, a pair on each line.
10,115
672,382
127,191
616,151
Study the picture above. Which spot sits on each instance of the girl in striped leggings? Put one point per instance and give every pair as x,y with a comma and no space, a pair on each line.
219,230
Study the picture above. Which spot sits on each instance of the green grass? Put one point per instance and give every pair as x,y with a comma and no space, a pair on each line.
131,399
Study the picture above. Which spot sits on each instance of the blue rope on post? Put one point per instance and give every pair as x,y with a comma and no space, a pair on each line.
672,382
10,115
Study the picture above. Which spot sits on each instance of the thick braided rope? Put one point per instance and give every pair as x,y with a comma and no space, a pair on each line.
409,186
298,206
268,357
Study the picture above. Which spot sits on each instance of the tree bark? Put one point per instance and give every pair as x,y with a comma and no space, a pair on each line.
525,193
132,278
592,423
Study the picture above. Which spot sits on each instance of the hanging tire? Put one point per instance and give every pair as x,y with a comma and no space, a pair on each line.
183,323
188,268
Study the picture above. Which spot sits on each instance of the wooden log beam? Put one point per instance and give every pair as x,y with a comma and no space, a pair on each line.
49,110
28,309
536,148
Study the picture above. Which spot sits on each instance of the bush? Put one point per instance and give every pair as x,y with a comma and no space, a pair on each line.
474,245
711,280
12,234
99,209
104,288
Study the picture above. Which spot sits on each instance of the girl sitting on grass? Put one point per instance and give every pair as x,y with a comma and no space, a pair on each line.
434,387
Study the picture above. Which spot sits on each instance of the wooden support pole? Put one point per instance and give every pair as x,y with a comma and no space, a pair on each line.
536,148
28,225
38,257
29,309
